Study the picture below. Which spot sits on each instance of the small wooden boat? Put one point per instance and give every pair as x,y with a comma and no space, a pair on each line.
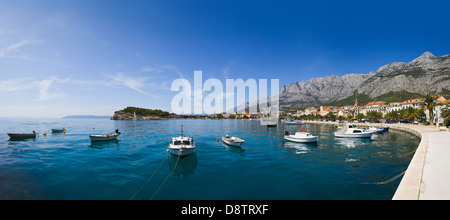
182,146
22,135
58,130
105,137
232,141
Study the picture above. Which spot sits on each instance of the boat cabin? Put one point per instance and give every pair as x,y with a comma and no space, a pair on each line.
182,141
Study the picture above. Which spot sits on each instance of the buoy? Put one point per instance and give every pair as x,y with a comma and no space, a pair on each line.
167,149
64,131
217,139
274,137
44,134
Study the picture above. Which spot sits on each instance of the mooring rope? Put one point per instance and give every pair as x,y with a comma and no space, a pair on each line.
176,163
380,183
391,179
148,180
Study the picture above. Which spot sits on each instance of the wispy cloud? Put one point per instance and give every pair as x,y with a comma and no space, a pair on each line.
156,68
134,83
16,85
44,93
14,50
226,69
47,89
24,84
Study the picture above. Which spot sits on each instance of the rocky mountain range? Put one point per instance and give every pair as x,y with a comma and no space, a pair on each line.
426,73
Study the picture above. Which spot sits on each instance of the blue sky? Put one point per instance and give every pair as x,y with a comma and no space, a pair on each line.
64,57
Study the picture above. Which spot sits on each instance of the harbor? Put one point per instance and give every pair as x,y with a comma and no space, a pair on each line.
427,176
266,166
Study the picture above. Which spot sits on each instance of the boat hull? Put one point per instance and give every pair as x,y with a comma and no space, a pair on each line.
301,139
58,130
181,152
22,135
104,137
294,123
232,143
358,135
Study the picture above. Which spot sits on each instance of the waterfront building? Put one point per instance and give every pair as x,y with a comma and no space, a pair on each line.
413,103
437,111
324,110
372,106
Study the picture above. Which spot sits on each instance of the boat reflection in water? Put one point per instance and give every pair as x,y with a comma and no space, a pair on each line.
105,144
352,142
184,167
300,148
233,148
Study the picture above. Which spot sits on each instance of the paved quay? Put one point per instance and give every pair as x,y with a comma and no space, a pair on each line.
428,174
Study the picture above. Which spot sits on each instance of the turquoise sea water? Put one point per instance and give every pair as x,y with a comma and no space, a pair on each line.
68,166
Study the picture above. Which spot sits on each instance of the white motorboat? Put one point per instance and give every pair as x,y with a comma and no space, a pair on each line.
294,122
350,131
22,135
105,137
233,141
301,136
376,130
182,146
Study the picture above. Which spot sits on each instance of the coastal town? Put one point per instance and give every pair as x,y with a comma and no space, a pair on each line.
408,111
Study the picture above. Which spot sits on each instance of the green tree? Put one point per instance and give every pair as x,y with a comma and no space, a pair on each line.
330,116
446,116
349,116
360,116
412,114
374,115
393,115
429,103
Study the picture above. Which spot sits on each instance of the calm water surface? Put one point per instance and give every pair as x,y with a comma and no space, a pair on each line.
68,166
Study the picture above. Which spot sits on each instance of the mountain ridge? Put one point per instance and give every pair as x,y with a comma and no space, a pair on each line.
426,73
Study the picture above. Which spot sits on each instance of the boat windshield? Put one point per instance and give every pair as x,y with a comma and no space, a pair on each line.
182,143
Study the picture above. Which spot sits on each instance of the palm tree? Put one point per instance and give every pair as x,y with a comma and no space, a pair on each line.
393,115
412,114
349,116
430,102
330,116
360,116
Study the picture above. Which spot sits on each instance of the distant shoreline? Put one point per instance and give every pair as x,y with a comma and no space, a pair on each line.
86,117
